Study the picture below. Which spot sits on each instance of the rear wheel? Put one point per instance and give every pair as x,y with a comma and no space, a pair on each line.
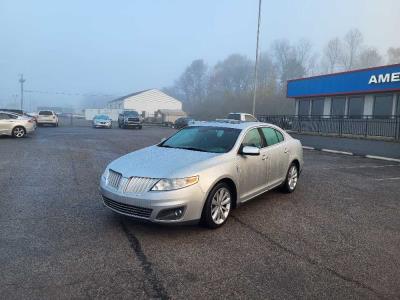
18,132
292,177
217,207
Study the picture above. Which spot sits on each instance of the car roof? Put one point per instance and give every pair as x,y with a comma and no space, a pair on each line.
10,113
230,124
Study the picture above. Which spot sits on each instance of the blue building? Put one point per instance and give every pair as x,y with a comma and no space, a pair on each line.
366,92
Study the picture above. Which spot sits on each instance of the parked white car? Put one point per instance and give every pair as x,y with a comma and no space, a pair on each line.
15,125
47,117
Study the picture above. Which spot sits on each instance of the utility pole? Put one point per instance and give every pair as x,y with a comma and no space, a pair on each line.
21,81
256,64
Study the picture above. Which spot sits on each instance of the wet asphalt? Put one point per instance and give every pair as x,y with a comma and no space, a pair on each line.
337,236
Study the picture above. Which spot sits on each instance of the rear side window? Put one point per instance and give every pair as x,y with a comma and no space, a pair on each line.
272,136
253,139
4,117
280,135
45,113
249,118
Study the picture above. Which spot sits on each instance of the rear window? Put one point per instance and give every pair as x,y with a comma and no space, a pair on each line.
45,113
234,117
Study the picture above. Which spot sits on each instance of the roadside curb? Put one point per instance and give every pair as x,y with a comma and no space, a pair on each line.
352,154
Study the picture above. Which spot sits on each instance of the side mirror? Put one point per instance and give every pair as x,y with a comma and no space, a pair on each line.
249,150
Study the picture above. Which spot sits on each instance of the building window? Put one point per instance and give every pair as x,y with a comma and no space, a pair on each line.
383,105
356,107
398,105
338,106
317,107
304,107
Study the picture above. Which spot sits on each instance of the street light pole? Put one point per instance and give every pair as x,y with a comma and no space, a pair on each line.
21,81
256,64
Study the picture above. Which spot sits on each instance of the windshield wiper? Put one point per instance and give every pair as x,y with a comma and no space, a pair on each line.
192,148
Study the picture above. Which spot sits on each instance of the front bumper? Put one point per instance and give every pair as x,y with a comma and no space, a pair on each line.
148,205
99,125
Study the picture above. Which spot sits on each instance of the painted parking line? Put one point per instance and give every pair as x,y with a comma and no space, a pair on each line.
384,179
308,148
362,167
336,151
382,158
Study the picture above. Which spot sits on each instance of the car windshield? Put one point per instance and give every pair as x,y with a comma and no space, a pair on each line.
101,117
234,116
204,139
131,114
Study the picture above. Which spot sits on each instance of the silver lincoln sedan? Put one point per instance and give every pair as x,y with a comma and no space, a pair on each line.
202,172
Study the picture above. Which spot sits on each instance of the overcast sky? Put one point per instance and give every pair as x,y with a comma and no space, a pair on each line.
118,47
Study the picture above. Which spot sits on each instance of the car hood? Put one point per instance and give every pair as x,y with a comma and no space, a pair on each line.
158,162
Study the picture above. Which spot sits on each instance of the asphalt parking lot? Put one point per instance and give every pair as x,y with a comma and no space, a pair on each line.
337,236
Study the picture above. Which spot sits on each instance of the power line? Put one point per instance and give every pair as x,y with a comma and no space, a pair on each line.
68,93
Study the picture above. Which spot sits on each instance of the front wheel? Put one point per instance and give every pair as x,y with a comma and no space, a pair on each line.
18,132
217,207
292,177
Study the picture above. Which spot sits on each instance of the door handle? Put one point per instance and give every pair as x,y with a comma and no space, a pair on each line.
286,150
264,157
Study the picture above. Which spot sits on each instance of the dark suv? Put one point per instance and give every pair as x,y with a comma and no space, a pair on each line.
129,118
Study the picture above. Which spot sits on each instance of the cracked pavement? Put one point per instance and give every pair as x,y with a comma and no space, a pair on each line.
337,236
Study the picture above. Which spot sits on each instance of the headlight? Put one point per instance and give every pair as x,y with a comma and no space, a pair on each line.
174,183
105,175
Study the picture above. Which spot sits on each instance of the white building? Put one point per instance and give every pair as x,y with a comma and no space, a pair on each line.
145,102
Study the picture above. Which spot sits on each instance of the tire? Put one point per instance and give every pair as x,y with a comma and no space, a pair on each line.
18,132
140,127
291,180
215,213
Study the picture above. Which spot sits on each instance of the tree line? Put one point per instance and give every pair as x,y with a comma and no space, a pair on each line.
209,92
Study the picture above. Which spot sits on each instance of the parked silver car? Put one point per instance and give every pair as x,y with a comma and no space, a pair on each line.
16,125
202,172
102,121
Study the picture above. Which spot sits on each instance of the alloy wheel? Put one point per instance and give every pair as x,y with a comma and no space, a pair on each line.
220,205
19,132
292,177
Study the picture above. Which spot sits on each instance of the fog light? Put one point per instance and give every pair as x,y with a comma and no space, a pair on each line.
171,213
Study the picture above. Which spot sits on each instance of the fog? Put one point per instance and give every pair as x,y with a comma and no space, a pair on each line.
82,53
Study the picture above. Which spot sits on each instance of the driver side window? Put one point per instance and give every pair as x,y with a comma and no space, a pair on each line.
252,139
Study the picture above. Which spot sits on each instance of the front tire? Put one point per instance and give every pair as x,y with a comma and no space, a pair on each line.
292,177
217,207
18,132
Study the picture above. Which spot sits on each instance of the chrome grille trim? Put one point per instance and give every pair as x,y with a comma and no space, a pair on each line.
140,184
114,179
128,209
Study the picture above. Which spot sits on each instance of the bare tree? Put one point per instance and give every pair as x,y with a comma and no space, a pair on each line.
352,46
369,57
332,54
192,83
393,55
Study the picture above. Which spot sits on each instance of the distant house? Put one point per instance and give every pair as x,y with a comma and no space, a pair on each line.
146,102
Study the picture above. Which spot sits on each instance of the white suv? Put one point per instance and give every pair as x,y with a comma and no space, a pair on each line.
244,117
47,117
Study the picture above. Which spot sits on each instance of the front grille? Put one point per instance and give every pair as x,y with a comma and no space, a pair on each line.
114,179
140,184
133,119
131,210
